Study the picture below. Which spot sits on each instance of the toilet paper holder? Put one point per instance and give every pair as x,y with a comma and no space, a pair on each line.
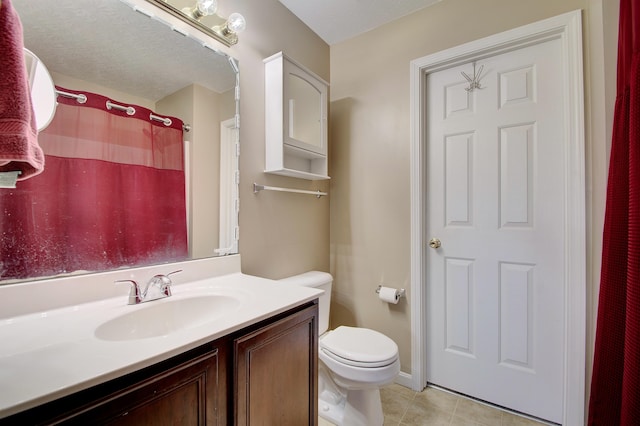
401,292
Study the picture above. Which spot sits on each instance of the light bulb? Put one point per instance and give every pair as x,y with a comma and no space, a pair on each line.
236,23
207,7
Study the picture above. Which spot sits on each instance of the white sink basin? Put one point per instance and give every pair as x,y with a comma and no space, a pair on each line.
166,316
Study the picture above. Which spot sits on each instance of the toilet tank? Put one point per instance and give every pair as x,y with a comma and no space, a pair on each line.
322,281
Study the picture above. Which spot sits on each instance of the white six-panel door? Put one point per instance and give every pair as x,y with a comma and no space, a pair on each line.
496,203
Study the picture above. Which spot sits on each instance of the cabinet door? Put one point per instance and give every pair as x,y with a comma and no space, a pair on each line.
185,395
276,372
305,118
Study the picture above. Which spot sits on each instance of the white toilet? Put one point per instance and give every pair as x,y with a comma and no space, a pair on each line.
354,363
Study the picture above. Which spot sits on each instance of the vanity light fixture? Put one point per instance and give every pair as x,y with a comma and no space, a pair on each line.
202,15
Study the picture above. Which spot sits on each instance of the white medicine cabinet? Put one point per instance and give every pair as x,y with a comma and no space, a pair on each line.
296,120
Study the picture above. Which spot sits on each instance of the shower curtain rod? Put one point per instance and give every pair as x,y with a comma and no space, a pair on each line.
81,99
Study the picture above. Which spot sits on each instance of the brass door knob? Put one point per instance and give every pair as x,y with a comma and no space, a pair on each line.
434,243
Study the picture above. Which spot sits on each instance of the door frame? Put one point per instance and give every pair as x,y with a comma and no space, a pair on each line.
568,28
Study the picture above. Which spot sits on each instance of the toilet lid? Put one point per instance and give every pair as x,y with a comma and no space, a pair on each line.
360,347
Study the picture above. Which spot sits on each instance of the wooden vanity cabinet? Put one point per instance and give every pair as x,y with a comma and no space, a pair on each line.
265,374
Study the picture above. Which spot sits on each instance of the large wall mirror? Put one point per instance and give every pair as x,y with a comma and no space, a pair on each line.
135,57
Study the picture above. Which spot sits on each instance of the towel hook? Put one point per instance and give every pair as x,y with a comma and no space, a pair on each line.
474,83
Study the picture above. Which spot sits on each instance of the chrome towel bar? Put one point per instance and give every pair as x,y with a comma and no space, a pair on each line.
257,188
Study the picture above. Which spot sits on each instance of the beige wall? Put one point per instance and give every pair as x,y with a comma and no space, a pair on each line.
280,234
370,142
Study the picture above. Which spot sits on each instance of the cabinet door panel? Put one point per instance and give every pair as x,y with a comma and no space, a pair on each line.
185,395
305,101
184,405
276,372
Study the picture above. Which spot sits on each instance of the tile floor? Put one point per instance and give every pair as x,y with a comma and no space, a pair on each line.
434,407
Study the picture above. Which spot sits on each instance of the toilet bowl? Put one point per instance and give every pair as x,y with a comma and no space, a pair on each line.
354,363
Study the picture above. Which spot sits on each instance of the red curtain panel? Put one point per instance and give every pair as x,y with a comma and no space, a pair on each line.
112,194
615,386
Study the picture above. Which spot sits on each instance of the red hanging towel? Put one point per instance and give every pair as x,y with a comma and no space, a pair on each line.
19,149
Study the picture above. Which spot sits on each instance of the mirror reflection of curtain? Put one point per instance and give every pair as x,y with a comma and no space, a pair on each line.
112,194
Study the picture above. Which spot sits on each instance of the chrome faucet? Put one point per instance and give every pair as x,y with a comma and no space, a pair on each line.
158,287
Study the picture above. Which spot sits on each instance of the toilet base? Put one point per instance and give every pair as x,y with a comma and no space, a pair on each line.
361,408
343,407
331,411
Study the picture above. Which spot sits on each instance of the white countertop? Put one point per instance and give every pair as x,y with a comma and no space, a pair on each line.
49,354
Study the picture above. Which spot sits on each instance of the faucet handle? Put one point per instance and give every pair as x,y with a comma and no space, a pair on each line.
166,282
163,281
134,292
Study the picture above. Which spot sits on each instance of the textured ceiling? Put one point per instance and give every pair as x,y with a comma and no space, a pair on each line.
338,20
108,43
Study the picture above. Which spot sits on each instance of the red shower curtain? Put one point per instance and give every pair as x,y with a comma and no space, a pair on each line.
112,194
615,386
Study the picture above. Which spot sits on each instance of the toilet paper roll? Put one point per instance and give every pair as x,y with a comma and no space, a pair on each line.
389,295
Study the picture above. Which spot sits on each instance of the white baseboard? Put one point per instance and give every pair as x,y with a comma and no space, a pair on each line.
404,379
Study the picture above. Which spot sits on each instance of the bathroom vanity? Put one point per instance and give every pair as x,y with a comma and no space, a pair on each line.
253,360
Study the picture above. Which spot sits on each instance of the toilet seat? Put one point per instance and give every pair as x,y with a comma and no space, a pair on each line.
359,347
